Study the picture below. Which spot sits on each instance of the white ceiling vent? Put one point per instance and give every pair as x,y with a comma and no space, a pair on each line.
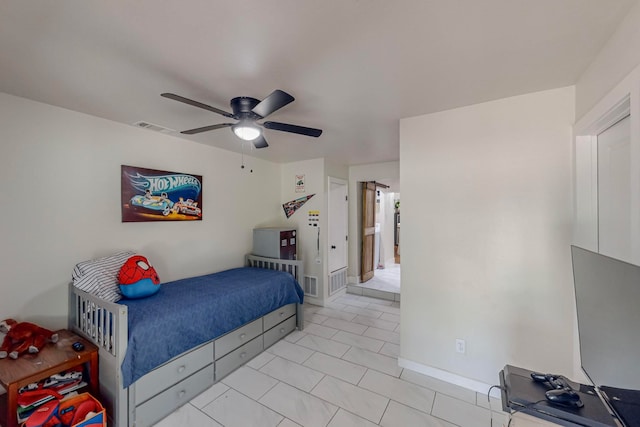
151,126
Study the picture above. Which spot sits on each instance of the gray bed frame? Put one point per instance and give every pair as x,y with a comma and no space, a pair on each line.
166,388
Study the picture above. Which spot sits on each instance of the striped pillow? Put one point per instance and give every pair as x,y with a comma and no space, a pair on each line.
100,276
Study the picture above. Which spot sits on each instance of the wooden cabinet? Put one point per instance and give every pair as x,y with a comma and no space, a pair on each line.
51,360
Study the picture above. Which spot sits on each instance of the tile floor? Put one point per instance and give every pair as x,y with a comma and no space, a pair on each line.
385,284
340,371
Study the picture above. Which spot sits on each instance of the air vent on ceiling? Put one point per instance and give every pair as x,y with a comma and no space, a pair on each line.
151,126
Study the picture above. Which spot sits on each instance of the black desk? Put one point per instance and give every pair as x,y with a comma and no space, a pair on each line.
522,394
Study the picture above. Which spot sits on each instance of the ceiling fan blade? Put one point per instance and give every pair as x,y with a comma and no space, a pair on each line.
195,103
206,128
275,101
293,129
260,142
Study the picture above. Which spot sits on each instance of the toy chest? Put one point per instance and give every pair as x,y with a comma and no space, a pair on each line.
69,405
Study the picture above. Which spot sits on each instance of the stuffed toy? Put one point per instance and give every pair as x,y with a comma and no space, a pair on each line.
137,278
23,337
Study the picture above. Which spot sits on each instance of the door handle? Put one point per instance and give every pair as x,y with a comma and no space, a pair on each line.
333,246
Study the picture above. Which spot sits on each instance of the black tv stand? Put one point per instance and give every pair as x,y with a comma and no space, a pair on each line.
520,393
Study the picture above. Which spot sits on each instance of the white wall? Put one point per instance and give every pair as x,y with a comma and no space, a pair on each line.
313,170
61,192
618,57
486,195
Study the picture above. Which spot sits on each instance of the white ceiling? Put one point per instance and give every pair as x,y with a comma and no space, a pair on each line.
355,66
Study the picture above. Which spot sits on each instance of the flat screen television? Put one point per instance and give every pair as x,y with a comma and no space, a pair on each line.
607,294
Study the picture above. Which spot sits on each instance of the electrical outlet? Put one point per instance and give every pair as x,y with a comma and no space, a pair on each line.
460,346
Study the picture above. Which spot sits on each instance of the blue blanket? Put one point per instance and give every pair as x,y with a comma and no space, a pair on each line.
189,312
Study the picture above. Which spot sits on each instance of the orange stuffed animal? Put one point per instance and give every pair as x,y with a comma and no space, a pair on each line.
23,337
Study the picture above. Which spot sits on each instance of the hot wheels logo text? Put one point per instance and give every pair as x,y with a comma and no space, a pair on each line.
165,183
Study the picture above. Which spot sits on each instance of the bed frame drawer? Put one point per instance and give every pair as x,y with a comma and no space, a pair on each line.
237,337
277,316
274,334
165,403
238,357
172,372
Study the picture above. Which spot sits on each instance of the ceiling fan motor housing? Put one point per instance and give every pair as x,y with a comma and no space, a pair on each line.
242,106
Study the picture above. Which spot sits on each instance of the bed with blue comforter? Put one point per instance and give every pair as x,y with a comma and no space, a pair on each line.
158,353
193,311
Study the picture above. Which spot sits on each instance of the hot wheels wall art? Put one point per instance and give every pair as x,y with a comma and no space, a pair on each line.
155,195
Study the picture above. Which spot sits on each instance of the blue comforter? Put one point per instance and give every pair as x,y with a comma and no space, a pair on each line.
189,312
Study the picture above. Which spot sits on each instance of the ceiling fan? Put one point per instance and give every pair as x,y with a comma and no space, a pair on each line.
248,111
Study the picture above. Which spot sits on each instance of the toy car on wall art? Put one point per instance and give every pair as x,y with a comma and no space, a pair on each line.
155,195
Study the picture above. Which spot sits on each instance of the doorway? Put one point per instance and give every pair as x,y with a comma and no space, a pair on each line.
379,257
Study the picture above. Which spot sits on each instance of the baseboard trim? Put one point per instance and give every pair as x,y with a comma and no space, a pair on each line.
449,377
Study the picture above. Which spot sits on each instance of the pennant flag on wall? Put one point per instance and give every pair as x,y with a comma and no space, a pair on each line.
291,207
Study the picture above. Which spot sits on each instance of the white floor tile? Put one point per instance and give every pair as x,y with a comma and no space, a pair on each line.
344,325
377,323
367,312
301,407
337,314
209,395
295,336
335,305
288,423
347,419
316,318
398,415
390,317
234,409
319,330
250,382
439,386
351,301
324,345
299,376
358,341
335,367
460,413
379,362
401,391
384,335
289,351
391,350
260,360
385,308
352,398
375,300
187,416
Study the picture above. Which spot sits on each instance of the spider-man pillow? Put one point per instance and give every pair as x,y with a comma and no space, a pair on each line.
137,278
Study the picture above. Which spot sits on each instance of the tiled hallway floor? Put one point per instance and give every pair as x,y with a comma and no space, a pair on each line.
341,371
385,284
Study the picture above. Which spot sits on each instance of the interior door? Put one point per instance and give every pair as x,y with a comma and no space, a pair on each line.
338,220
614,191
368,230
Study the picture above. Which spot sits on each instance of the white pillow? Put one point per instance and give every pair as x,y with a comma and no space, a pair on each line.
100,276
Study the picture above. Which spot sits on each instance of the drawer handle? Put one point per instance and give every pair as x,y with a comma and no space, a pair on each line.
281,313
182,393
242,336
181,369
282,330
243,355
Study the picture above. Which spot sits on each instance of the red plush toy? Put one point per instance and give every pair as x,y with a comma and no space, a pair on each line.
23,337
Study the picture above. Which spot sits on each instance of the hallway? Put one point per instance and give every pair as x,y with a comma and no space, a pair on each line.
385,284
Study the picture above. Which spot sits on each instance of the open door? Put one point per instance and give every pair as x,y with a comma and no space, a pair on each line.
368,230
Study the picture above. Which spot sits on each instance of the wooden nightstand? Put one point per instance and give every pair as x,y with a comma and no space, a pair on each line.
53,359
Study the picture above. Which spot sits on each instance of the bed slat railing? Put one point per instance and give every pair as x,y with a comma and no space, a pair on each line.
95,319
291,266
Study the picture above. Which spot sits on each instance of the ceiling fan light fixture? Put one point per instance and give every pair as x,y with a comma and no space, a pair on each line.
246,131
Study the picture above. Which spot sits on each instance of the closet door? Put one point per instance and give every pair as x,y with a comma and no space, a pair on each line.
614,191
